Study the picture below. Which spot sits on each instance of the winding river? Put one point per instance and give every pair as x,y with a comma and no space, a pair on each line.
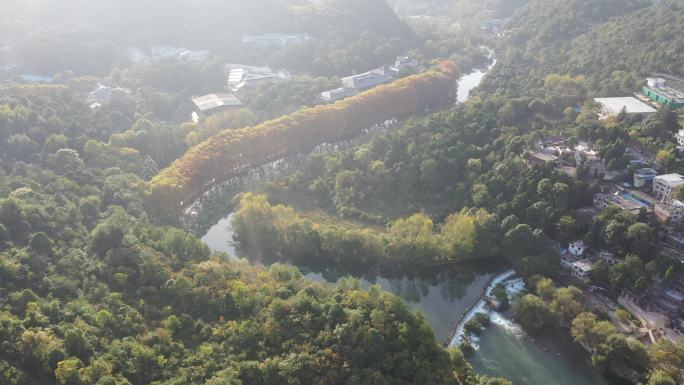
448,297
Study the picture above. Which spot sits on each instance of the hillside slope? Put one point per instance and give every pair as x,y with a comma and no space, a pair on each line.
591,38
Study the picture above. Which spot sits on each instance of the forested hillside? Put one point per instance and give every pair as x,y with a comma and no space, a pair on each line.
92,38
92,294
100,285
614,44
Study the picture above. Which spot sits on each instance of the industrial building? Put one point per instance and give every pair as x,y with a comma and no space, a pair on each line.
657,90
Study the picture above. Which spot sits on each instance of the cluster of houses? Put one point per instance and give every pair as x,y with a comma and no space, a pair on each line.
661,306
352,85
566,157
578,259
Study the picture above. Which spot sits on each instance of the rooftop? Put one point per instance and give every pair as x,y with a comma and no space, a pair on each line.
671,178
582,265
211,101
369,79
543,155
646,171
630,104
337,93
673,94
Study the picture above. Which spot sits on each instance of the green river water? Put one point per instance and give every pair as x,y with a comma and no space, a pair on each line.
444,296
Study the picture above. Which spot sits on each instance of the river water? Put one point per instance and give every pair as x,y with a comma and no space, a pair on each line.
447,295
440,294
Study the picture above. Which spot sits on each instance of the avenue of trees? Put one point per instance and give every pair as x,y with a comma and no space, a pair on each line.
232,150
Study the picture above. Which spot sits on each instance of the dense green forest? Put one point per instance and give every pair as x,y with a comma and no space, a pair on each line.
99,286
92,293
614,44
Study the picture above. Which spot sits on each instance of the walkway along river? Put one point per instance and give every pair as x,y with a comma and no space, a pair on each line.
447,297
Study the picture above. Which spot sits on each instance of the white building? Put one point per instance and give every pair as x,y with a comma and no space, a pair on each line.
613,106
680,137
195,56
165,52
577,248
352,85
655,82
664,185
337,94
214,102
581,269
274,40
404,61
369,79
241,76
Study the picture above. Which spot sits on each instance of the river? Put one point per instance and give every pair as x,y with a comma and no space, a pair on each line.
445,296
439,293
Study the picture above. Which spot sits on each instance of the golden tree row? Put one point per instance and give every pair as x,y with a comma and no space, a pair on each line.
233,151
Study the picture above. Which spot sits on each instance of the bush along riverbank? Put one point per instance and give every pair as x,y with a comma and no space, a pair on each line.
266,230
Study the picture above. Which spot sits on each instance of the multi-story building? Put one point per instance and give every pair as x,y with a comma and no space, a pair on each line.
671,212
581,269
665,185
644,177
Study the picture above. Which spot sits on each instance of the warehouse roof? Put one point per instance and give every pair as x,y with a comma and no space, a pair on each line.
630,104
211,101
